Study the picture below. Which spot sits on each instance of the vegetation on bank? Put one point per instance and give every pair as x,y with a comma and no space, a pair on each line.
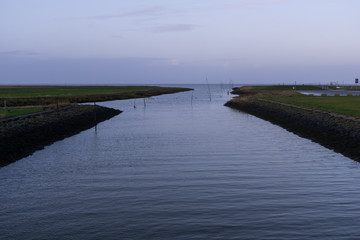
330,130
23,136
26,134
285,87
56,91
300,87
347,105
266,89
19,111
346,87
59,95
333,131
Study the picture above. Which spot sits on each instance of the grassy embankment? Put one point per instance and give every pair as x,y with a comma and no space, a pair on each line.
14,93
347,105
323,119
56,91
20,111
24,135
284,87
52,96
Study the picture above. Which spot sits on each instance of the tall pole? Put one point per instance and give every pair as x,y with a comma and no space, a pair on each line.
208,86
95,120
356,82
5,107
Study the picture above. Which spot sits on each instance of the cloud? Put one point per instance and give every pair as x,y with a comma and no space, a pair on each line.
117,36
251,3
227,64
152,11
18,53
163,62
175,28
174,62
145,12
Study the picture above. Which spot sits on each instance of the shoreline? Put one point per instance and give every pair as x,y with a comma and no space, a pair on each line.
48,100
22,137
338,132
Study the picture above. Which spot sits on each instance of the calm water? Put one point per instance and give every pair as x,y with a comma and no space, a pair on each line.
176,170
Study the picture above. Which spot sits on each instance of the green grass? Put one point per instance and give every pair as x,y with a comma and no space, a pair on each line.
286,87
34,91
353,88
349,105
19,111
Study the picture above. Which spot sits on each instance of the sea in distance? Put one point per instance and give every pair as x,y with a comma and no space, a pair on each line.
181,166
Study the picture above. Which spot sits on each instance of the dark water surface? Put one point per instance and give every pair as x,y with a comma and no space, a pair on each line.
176,170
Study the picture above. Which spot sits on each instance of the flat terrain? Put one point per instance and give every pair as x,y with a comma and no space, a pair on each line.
348,105
16,96
19,111
285,87
53,91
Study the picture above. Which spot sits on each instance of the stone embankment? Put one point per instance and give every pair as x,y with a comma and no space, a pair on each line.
21,137
334,131
33,101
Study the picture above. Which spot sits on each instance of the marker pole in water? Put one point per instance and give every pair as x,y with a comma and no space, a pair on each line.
208,86
95,120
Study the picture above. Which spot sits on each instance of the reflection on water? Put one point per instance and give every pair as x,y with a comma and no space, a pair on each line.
181,167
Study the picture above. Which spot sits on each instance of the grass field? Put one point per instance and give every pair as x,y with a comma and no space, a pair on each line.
16,96
19,111
350,87
285,87
349,105
47,91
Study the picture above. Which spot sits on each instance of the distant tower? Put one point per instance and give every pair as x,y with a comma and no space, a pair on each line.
356,82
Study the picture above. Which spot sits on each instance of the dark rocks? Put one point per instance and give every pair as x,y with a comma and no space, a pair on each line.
334,131
21,137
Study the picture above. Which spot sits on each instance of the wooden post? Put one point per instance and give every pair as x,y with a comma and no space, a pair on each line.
95,120
5,107
208,86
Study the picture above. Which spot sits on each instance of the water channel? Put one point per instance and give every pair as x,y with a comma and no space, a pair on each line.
181,167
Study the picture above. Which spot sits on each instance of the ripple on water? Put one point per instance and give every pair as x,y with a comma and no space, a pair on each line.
176,170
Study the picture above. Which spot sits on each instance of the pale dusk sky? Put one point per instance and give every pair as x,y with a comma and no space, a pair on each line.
166,42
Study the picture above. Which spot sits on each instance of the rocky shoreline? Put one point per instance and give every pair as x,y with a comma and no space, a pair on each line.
334,131
21,137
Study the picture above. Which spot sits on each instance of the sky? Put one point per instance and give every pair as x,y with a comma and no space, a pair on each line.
180,41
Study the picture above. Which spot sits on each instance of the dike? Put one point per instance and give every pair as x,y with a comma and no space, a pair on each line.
20,137
337,132
33,101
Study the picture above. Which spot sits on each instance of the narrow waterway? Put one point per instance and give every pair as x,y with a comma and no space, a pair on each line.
181,167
